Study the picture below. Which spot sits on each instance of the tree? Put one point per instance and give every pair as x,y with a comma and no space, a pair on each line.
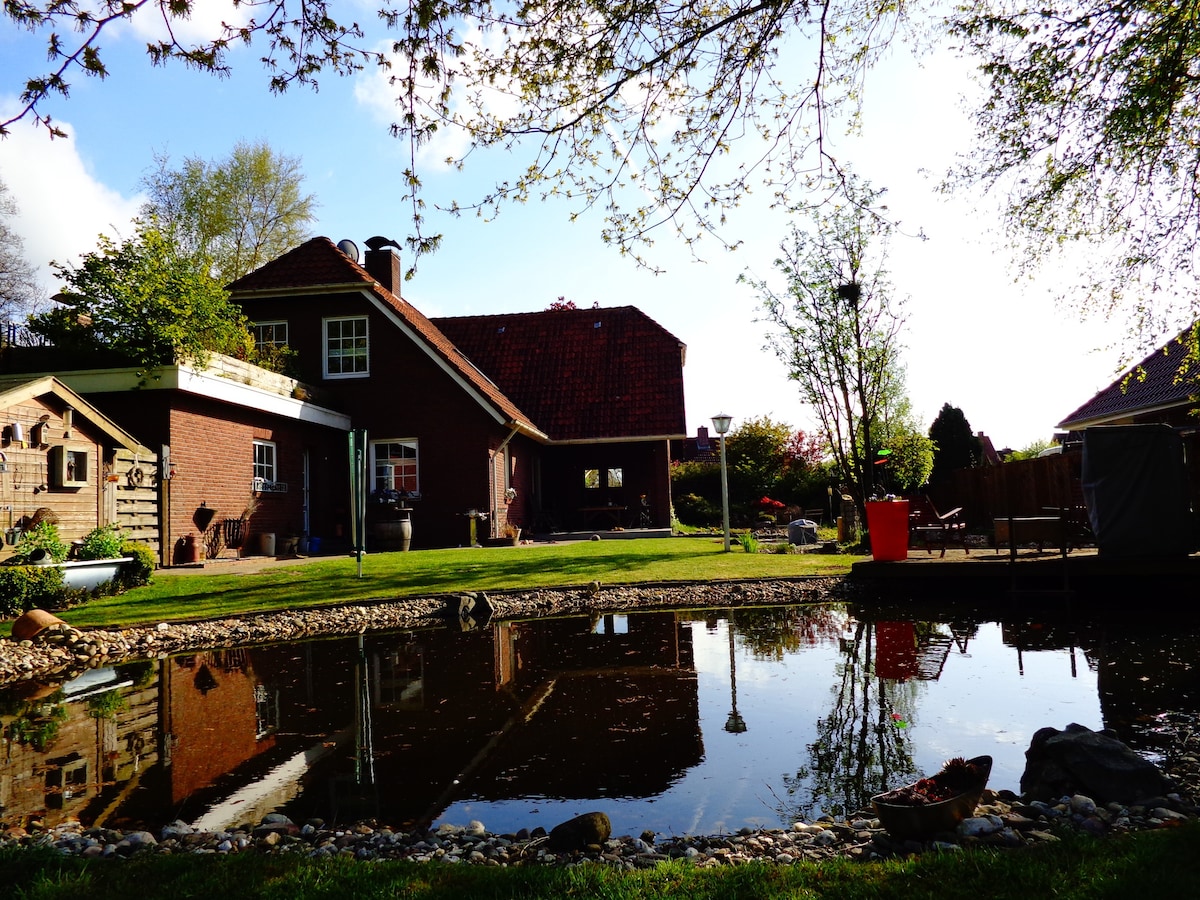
756,454
615,102
1090,128
19,288
240,212
955,444
836,328
142,300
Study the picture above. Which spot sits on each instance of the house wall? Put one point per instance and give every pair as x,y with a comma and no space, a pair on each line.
211,469
27,484
406,396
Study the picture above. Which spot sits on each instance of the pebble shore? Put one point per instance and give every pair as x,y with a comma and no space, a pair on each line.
1001,819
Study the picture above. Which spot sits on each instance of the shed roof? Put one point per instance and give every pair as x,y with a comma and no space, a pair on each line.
16,389
1166,379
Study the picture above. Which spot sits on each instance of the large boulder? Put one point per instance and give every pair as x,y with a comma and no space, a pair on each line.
580,832
1078,760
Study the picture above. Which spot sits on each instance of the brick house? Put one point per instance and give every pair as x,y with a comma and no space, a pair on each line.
229,437
543,421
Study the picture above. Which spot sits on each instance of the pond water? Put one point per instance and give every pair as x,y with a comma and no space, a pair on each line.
678,722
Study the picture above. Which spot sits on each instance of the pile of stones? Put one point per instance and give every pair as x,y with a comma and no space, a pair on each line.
1000,821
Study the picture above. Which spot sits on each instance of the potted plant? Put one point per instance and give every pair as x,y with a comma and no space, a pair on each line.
512,531
938,803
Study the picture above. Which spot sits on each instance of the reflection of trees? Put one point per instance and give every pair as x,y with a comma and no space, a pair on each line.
772,632
860,750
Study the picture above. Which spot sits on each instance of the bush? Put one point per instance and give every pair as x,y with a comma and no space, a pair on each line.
23,588
692,509
137,571
43,536
101,543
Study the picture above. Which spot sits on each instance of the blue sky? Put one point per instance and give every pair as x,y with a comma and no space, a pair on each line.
997,349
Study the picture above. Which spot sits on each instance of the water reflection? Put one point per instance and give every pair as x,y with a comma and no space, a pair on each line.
680,722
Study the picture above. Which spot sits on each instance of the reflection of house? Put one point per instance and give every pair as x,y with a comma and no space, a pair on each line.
59,453
559,418
564,705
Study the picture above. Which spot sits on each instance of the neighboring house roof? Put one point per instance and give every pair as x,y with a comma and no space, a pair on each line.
317,267
1164,380
16,389
582,374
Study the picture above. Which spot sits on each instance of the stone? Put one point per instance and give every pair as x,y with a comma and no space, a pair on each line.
578,833
1078,760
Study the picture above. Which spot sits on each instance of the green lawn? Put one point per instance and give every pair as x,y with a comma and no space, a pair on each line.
221,590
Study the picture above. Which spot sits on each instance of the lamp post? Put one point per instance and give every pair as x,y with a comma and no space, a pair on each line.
721,422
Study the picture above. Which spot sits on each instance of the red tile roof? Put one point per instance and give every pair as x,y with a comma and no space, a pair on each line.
1156,383
318,266
581,374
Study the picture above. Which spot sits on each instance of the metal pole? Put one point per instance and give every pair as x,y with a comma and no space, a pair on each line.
724,494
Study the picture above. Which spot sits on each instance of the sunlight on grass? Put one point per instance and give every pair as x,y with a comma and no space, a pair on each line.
221,590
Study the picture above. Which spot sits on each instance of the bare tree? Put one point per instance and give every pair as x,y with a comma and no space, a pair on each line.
19,285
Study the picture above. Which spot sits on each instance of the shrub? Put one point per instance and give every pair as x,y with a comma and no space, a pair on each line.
138,570
23,588
101,543
692,509
43,536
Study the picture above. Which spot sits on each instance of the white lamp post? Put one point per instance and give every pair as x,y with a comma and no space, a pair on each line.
721,422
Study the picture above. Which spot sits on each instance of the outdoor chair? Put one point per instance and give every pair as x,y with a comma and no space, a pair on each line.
928,528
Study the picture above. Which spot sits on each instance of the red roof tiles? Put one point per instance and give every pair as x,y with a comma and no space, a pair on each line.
581,374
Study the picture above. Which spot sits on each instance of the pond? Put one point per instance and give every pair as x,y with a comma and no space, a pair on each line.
677,722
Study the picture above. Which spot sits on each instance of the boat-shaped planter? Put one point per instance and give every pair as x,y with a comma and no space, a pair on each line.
935,804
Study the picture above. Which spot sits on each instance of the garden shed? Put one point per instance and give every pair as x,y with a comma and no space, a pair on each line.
64,461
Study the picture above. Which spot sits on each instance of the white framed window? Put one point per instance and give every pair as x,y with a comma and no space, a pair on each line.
264,462
269,334
396,466
346,347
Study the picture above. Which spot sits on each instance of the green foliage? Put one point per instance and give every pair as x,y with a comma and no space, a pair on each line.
146,302
23,588
662,87
955,444
239,212
39,723
692,509
1089,128
103,542
748,541
107,705
757,452
139,570
911,461
1030,451
42,536
835,327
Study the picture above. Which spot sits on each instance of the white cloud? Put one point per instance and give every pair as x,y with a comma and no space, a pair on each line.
62,207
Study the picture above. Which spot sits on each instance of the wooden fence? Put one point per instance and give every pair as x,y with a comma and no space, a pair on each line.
132,500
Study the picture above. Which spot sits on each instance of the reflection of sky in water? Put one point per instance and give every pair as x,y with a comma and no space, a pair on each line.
982,703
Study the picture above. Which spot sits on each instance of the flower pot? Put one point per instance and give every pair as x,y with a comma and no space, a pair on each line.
917,822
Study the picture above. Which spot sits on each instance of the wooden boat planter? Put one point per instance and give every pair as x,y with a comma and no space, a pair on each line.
936,804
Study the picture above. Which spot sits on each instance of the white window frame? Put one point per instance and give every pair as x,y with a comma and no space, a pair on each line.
278,327
365,355
264,469
376,475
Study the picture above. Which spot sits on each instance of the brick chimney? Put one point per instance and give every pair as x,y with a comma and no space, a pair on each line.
382,262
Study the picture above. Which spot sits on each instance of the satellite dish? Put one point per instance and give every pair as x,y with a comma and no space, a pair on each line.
350,248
